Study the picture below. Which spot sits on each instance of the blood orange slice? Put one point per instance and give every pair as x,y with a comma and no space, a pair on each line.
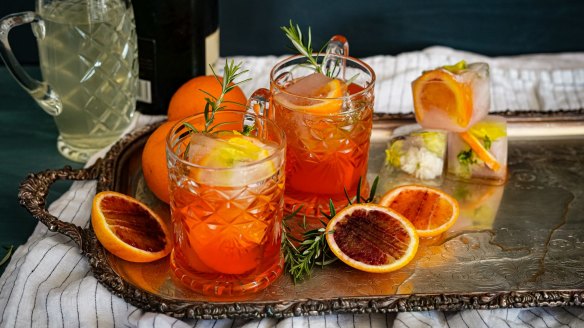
372,238
430,210
128,228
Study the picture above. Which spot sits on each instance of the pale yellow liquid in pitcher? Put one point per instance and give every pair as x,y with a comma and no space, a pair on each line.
89,58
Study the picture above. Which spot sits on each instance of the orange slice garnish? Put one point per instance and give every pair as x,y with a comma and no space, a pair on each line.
128,228
439,90
324,100
372,238
480,150
430,210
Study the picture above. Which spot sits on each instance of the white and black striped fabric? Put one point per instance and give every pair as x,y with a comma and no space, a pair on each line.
48,283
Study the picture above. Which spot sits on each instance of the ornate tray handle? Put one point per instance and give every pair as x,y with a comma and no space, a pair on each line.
33,196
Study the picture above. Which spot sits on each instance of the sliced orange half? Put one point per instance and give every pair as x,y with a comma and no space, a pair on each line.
430,210
372,238
128,228
439,90
324,100
480,150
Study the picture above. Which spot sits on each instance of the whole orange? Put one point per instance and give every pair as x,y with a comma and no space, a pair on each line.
189,99
154,162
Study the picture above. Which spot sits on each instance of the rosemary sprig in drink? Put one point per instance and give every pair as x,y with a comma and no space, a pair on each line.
231,72
300,256
331,67
294,33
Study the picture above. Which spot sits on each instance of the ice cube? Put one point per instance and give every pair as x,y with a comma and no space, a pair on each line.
314,93
201,145
415,156
309,85
485,163
231,160
452,101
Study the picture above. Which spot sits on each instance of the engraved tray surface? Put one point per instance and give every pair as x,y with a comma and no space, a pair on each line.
517,245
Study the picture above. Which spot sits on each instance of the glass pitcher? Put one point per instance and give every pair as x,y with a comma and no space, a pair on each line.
89,63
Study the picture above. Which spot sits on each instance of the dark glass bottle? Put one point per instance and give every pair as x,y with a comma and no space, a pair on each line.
177,39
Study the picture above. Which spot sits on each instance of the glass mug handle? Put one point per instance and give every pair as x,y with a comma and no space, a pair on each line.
39,90
259,103
337,46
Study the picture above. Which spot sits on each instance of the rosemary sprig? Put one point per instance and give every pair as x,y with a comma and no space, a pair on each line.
301,256
231,71
311,250
294,34
331,67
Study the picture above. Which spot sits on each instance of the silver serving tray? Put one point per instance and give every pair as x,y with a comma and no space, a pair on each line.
517,245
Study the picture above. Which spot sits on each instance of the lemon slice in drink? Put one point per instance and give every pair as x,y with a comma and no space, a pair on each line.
240,156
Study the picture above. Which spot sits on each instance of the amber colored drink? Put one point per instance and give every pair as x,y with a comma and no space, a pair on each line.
226,208
327,137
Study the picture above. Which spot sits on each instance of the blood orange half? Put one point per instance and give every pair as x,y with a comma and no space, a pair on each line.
372,238
128,228
430,210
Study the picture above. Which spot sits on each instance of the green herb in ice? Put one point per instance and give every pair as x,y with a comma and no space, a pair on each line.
466,158
487,142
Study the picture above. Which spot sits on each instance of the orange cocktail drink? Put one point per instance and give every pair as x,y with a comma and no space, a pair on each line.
327,121
226,203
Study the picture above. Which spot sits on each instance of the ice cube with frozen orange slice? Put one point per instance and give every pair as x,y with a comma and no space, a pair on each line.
453,97
479,154
314,94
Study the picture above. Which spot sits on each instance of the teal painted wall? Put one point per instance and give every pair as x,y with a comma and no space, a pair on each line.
490,27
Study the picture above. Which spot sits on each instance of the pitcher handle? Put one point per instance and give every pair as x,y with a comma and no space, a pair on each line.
44,95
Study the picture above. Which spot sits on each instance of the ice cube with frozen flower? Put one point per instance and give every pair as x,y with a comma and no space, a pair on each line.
416,156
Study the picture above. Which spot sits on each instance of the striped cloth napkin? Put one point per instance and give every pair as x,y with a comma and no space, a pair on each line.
535,83
48,283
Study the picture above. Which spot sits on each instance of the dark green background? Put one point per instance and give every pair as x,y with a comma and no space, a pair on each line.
490,27
28,139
